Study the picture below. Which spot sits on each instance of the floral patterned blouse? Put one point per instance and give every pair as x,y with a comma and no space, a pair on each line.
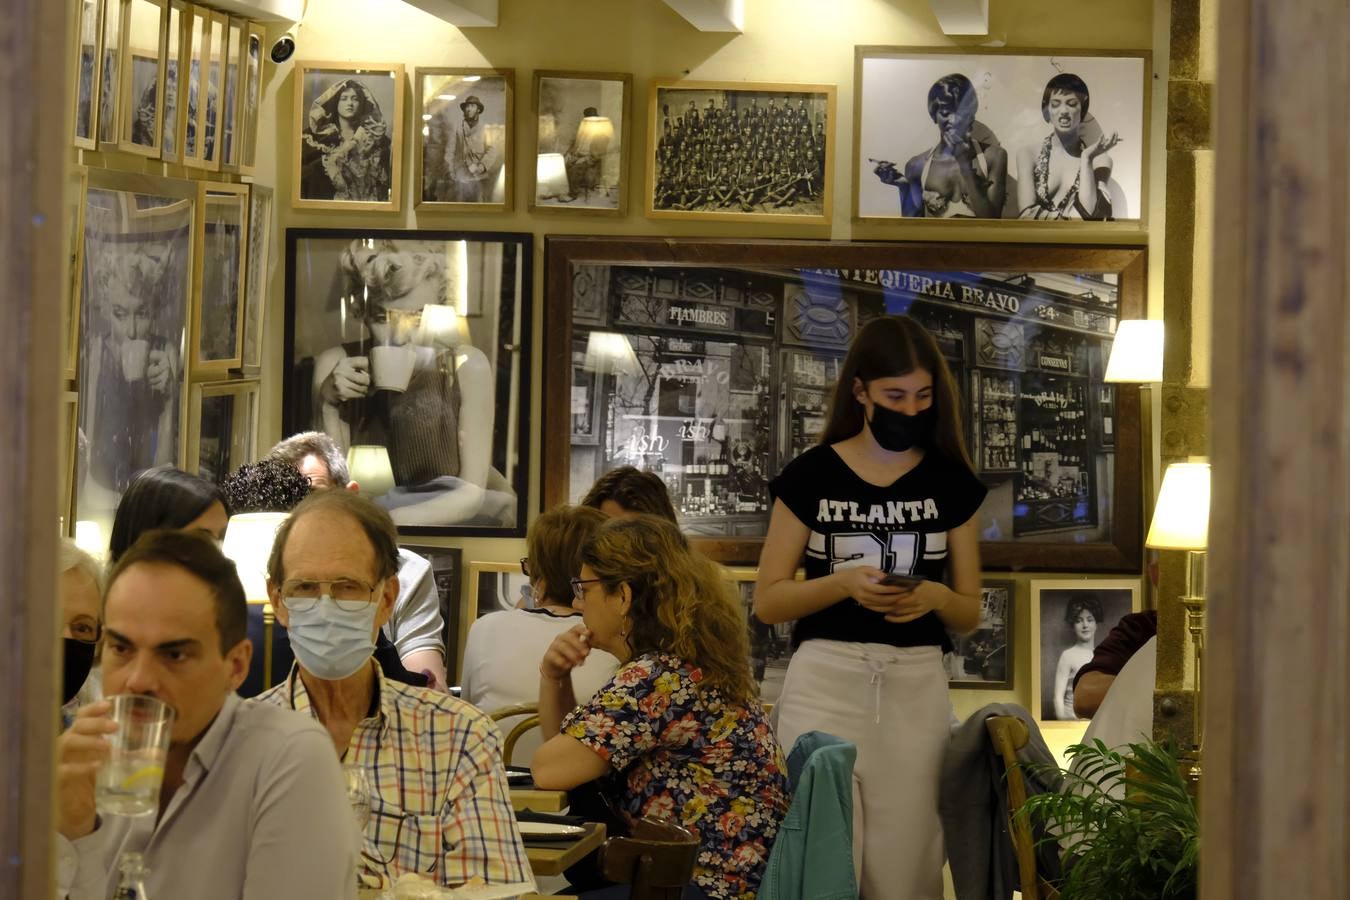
684,753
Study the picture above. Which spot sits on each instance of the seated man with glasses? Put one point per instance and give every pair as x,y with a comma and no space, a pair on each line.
439,805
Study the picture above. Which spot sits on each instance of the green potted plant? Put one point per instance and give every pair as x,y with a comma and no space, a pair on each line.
1127,824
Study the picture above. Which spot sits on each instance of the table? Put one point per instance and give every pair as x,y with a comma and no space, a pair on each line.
553,857
538,800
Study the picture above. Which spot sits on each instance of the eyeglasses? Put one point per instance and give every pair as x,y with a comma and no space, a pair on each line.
525,566
349,594
85,630
578,591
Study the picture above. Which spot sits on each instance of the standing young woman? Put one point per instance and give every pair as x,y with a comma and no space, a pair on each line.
888,491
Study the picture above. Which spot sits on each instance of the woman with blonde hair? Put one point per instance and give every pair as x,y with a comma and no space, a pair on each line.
678,732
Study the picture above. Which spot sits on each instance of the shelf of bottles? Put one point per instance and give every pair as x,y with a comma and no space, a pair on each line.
998,422
1054,482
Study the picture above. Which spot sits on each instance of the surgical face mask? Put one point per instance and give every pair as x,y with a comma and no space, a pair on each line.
78,659
331,642
898,432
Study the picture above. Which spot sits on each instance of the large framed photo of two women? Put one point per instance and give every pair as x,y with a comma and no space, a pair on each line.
412,349
1036,136
712,363
464,139
983,659
1069,619
739,150
350,136
136,278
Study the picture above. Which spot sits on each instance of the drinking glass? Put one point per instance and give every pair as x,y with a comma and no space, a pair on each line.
129,782
358,793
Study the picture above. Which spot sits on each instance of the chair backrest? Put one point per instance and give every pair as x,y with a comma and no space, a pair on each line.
1009,734
531,713
657,859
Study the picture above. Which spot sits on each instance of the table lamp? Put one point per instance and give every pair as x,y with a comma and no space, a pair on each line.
551,178
90,538
369,467
248,542
594,135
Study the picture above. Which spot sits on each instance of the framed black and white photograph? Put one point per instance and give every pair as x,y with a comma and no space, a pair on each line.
770,645
1035,136
142,104
349,124
463,139
211,114
1068,620
984,658
137,272
738,150
87,83
218,291
711,363
581,141
222,427
76,183
257,274
230,93
447,571
191,93
416,344
175,61
250,98
110,75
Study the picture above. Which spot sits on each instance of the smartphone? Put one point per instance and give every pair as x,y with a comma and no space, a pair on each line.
897,579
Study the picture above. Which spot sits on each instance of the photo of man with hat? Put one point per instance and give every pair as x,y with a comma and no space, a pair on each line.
475,155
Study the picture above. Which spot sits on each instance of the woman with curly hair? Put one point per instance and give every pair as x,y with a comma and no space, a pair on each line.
1082,614
678,732
346,149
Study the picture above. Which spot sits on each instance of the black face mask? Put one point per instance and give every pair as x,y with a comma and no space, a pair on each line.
898,432
79,659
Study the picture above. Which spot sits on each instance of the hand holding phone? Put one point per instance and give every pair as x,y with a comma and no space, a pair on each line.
898,579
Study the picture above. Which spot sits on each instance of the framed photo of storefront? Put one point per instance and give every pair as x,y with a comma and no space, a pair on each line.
416,345
711,363
1068,620
463,142
740,151
1039,137
983,659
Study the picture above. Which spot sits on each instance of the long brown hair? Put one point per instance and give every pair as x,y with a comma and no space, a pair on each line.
681,603
885,348
553,547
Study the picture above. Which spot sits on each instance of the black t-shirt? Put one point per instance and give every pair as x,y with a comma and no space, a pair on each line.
898,528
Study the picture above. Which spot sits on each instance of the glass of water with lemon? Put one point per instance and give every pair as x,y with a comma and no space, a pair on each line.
128,784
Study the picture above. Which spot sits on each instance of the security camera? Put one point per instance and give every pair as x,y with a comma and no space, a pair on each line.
283,48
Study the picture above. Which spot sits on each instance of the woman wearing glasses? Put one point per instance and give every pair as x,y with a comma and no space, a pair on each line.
503,649
678,732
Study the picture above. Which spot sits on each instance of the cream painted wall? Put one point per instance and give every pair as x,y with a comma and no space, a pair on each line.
784,40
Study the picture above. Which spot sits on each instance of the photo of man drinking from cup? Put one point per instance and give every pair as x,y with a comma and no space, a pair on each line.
224,799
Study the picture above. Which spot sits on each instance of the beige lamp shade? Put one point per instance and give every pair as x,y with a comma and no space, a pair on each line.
551,176
441,325
1136,352
1181,518
248,541
90,538
370,469
594,135
608,351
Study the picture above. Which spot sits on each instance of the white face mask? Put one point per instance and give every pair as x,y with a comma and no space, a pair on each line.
331,642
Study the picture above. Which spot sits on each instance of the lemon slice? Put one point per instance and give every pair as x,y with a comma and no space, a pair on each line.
146,773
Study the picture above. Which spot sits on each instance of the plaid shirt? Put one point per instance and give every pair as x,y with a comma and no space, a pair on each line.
441,807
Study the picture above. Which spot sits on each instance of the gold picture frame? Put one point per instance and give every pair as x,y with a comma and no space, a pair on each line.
215,455
88,54
176,55
70,440
318,177
583,125
445,137
249,98
220,252
141,107
109,76
76,184
192,96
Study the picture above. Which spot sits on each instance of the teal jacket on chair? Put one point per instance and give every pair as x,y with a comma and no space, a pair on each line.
812,857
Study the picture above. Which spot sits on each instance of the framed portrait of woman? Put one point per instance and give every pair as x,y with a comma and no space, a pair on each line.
135,289
463,144
1040,138
87,33
414,348
218,279
1068,620
175,61
350,127
257,273
582,126
197,33
140,130
222,427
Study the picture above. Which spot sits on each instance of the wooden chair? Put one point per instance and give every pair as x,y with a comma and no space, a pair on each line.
1009,734
657,860
531,713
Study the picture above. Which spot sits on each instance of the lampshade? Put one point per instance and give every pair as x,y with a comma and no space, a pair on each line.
90,538
370,468
441,324
1181,518
593,135
1137,352
608,351
248,541
550,176
548,130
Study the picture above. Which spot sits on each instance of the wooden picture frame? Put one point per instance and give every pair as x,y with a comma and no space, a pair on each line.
318,177
724,150
740,341
222,427
192,90
1054,640
221,240
250,97
465,162
88,56
257,274
231,95
984,659
211,113
408,339
141,108
70,448
583,125
77,183
917,110
491,587
447,572
770,645
177,40
110,75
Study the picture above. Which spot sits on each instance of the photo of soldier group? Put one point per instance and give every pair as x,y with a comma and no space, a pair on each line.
753,152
